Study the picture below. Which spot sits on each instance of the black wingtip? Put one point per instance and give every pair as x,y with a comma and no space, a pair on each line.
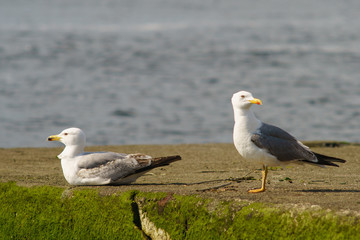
160,161
327,160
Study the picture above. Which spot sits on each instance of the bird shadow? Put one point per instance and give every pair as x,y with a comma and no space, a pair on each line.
238,180
169,184
330,190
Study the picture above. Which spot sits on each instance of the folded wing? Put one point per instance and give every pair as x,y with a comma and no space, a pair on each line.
110,165
285,147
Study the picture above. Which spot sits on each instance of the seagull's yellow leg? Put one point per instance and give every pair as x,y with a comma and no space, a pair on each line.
263,181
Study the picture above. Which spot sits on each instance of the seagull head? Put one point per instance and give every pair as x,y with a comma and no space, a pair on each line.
244,100
70,137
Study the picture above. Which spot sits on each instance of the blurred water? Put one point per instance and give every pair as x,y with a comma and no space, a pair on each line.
160,71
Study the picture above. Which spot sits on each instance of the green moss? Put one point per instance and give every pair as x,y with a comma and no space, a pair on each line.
191,217
41,213
52,213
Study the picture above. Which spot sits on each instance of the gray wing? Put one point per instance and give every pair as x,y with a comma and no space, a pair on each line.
96,159
281,144
109,165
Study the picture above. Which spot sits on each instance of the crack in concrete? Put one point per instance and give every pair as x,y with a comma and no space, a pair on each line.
136,217
148,229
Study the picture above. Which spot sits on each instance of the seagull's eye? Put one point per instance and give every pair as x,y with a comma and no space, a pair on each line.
242,96
65,134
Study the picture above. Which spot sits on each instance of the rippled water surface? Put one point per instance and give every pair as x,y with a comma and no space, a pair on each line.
163,72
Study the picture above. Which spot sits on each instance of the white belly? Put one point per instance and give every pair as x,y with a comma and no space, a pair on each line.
70,171
250,152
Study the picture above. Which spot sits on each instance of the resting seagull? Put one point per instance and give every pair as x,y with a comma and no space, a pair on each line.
266,144
101,168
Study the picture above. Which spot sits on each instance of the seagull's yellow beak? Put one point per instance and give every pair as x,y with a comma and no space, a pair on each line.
54,138
256,101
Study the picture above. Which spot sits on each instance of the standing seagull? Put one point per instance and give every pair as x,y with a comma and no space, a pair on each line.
101,168
267,144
